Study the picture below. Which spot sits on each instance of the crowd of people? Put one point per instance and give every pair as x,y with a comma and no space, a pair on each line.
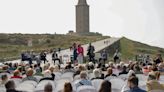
76,55
97,77
77,76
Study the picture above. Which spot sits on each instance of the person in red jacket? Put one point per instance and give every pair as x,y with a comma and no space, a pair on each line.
80,51
16,74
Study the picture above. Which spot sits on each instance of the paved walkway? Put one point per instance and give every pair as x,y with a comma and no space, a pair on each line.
99,45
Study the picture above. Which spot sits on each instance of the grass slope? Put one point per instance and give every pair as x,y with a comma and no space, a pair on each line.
131,48
11,45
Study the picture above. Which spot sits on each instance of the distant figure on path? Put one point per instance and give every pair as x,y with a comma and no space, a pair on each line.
91,53
80,51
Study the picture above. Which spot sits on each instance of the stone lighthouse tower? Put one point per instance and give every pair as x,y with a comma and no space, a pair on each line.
82,17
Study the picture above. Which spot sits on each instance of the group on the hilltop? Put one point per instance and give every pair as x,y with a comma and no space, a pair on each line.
30,56
76,56
78,53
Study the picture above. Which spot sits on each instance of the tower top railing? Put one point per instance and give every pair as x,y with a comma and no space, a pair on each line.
82,2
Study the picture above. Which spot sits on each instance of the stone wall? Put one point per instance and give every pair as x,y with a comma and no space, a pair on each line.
112,48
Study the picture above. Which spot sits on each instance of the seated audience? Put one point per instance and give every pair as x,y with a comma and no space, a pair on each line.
47,76
156,72
105,86
51,68
145,70
48,88
12,67
97,74
152,83
122,64
133,84
10,86
110,73
79,69
83,81
68,87
21,69
68,66
38,69
57,68
103,67
5,69
90,67
158,59
124,70
45,67
16,74
137,69
4,79
117,70
29,75
153,70
161,67
111,64
131,73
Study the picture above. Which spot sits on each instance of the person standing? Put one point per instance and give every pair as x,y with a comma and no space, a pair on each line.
116,56
75,54
80,51
104,56
91,53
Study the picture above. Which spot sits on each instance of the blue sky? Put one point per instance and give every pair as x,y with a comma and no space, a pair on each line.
140,20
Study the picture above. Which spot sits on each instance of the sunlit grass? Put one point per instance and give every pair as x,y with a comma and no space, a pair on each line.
11,45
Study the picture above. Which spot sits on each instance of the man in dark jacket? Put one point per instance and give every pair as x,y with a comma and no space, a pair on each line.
133,84
91,53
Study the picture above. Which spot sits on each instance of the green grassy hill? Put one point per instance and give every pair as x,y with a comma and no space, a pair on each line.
11,45
131,48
